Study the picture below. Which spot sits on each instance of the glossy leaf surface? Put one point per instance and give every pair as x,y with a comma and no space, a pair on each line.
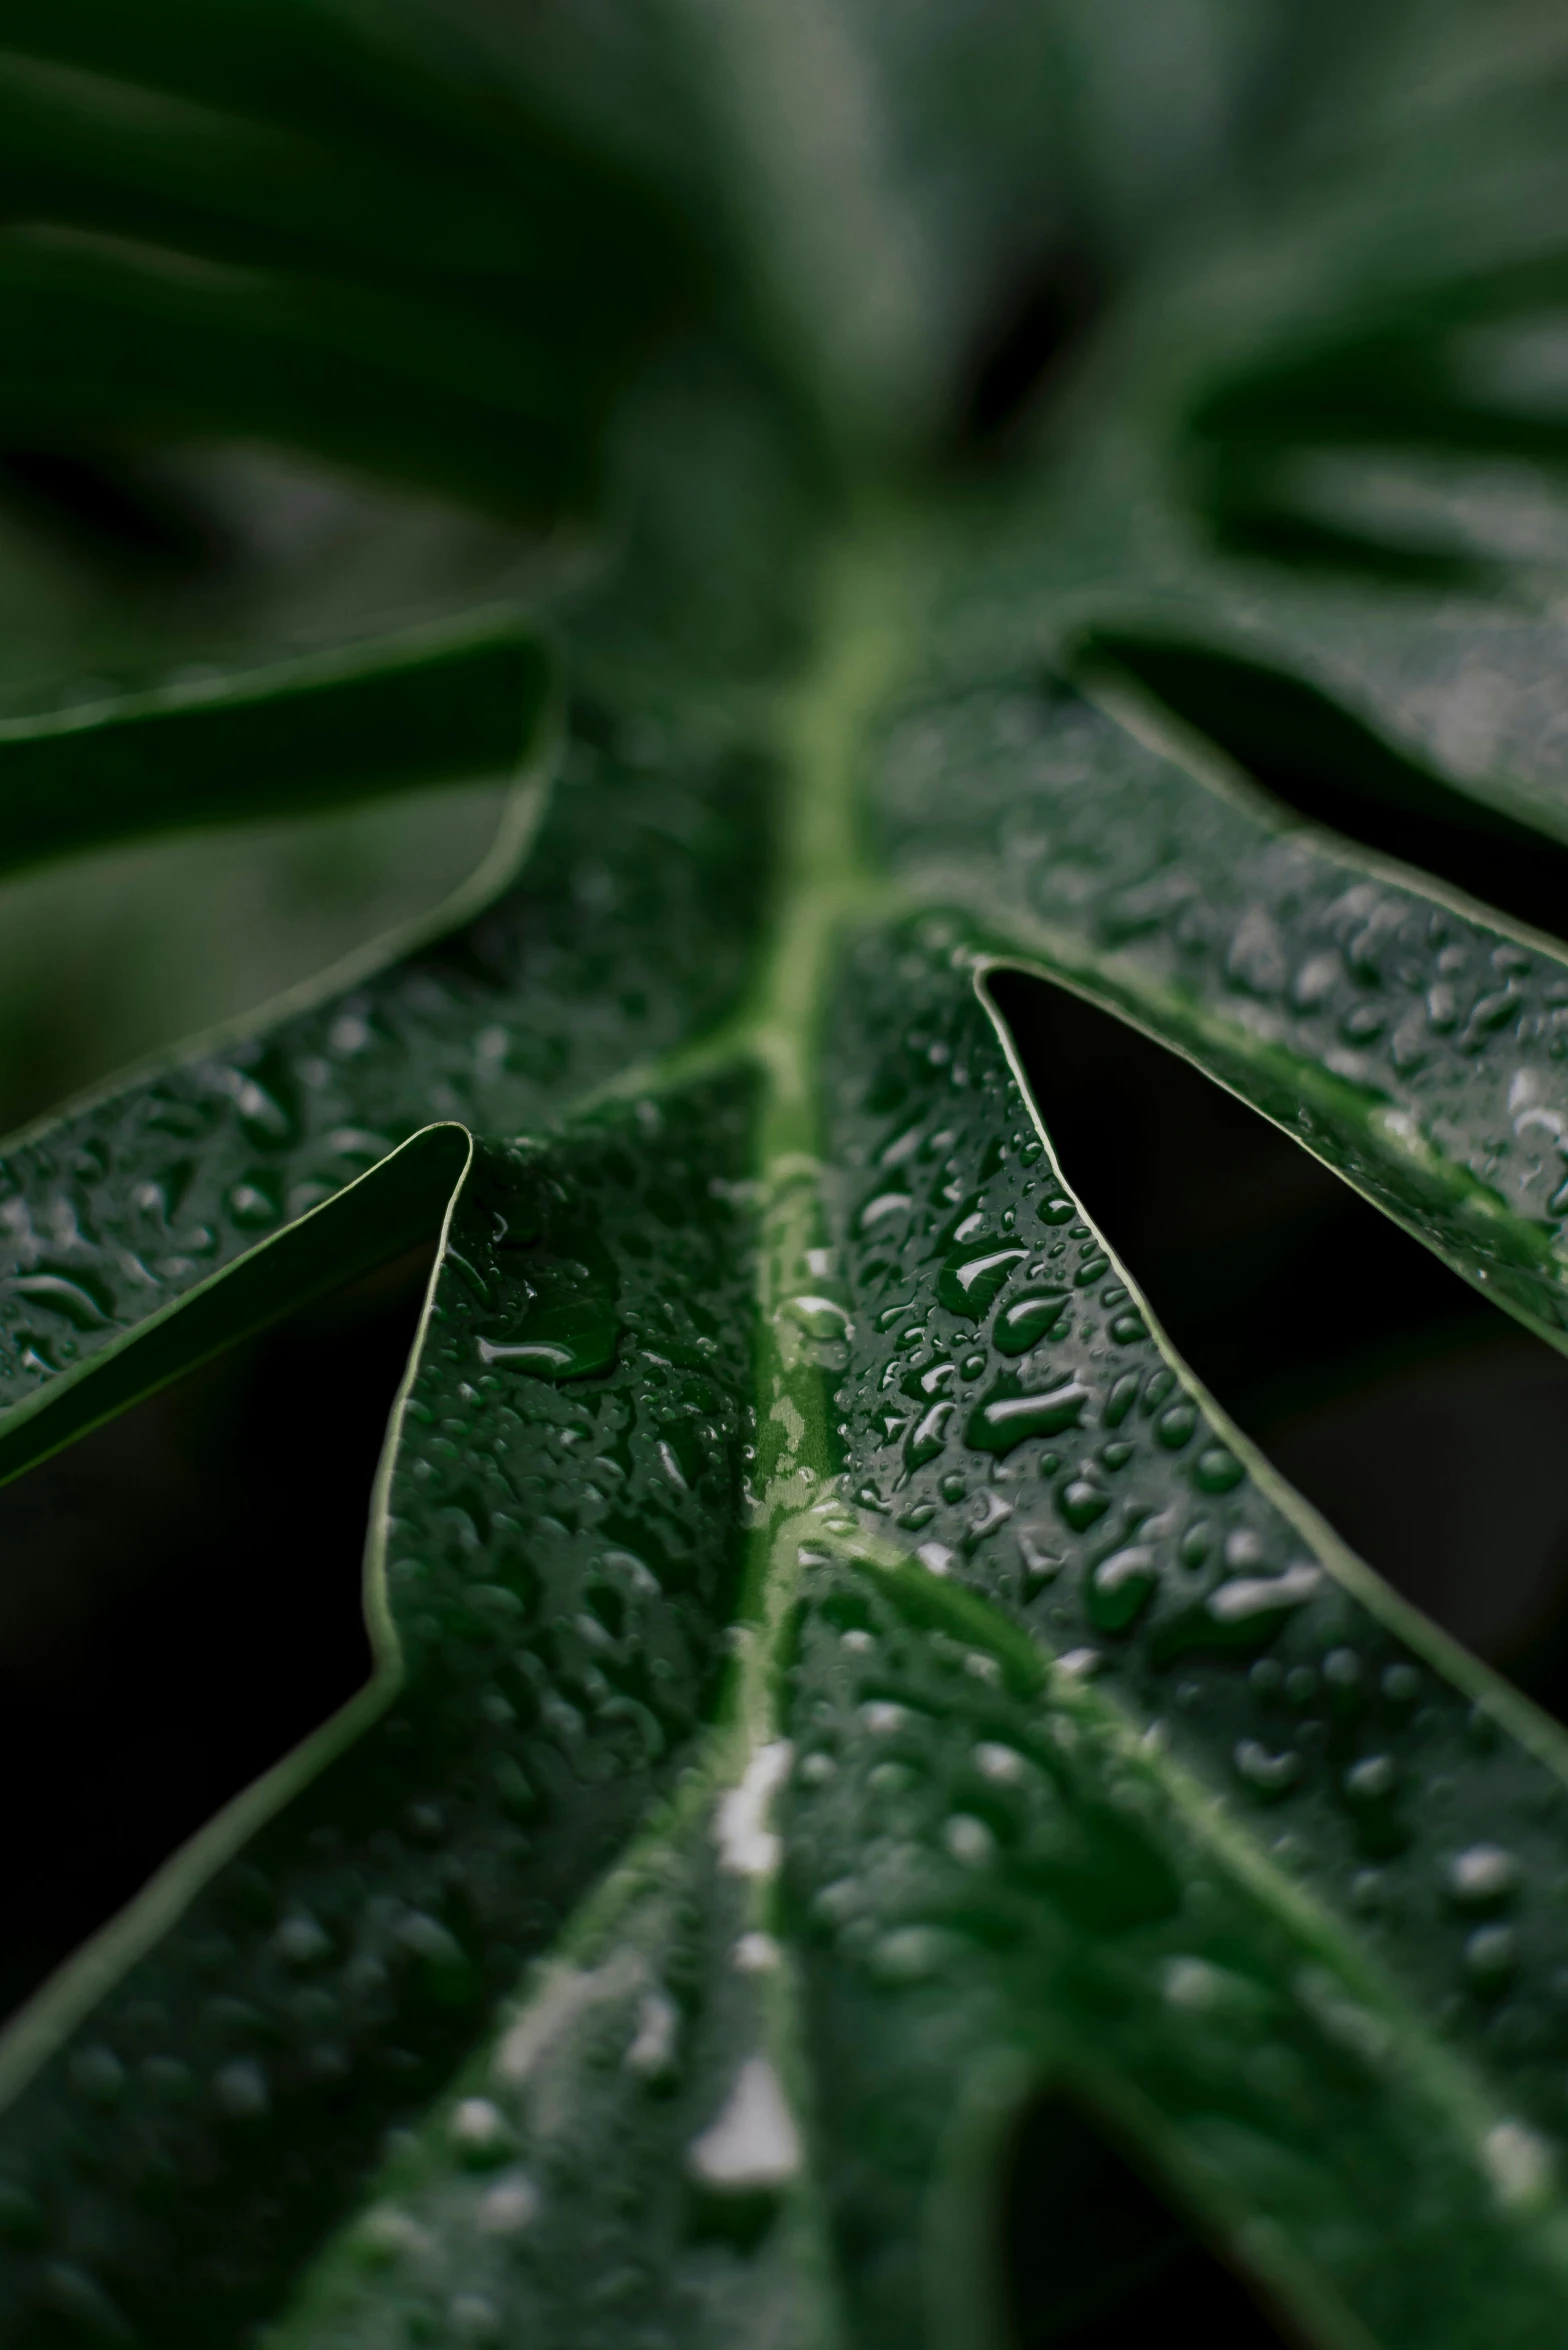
837,1672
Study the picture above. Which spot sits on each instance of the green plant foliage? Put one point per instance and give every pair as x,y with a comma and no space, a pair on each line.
836,1671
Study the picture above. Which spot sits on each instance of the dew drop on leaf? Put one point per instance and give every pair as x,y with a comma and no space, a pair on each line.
1268,1774
1008,1416
1081,1502
565,1340
1121,1587
1217,1471
1491,1955
480,2133
73,1296
1025,1320
509,2206
1484,1876
752,2145
819,1317
972,1276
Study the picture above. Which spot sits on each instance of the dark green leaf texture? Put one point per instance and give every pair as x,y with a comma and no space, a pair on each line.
837,1673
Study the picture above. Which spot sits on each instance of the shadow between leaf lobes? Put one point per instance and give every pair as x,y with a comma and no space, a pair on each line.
1096,2259
1334,770
1428,1427
182,1605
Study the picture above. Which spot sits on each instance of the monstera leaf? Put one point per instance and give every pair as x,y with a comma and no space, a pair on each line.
839,1679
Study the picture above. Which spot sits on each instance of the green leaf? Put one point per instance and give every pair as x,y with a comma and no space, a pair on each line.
321,733
838,1675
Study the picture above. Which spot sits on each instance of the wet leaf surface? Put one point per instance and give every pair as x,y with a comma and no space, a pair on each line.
840,1678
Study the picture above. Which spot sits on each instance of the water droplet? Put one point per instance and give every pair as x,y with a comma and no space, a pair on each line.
1197,1987
1081,1503
1520,2163
1027,1319
240,2090
386,2232
439,1952
1008,1416
1217,1471
1272,1775
349,1034
1250,1596
1120,1588
1483,1877
671,1465
969,1840
473,2318
301,1940
480,2132
98,2075
881,1209
252,1205
912,1954
929,1433
1373,1779
1243,1614
72,1297
1039,1565
748,1847
507,2208
652,2053
753,2144
265,1120
972,1277
1195,1545
564,1340
756,1954
1491,1954
819,1317
1079,1664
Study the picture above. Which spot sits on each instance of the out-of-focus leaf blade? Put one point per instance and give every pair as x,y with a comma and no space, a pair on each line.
321,733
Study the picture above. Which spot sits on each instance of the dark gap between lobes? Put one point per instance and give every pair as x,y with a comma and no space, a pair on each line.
1096,2259
1427,1426
1327,766
1041,317
181,1605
